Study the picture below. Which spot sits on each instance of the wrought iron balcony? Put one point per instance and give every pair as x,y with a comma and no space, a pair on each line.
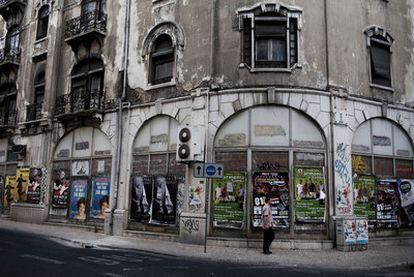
93,22
9,57
9,7
80,102
34,112
8,119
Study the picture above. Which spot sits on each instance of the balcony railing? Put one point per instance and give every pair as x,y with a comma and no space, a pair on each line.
87,22
9,56
34,112
9,118
79,101
5,3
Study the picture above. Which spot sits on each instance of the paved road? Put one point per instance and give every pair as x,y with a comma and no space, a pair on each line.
25,254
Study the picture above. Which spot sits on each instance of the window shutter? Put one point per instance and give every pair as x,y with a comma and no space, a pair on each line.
293,41
247,41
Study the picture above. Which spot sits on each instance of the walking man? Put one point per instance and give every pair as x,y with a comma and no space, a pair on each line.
267,227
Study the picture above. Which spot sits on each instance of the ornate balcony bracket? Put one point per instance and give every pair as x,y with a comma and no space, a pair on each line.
85,28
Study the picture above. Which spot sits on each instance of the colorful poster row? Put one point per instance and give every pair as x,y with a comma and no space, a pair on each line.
73,194
229,199
154,199
310,194
25,186
276,187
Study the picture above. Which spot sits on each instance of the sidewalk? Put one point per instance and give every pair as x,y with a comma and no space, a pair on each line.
375,258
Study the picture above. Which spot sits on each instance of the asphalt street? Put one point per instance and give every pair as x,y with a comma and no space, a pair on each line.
25,254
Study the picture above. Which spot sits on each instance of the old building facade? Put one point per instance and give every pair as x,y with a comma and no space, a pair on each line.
309,103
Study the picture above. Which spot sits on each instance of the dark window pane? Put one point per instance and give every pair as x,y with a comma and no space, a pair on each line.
404,169
270,161
380,64
262,51
361,164
232,161
278,50
247,41
383,167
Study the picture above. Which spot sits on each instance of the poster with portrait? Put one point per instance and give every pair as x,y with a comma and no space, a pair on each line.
276,187
406,193
228,200
10,191
34,186
141,197
310,194
60,189
78,196
365,196
164,200
80,168
196,196
100,197
388,203
22,180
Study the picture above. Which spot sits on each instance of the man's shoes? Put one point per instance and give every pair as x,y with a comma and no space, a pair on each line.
267,252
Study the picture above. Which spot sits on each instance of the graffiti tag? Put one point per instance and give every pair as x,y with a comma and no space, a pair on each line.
343,191
191,225
270,166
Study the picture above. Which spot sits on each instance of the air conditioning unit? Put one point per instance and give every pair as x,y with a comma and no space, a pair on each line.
190,144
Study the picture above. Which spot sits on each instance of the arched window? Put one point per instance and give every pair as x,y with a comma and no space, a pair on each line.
8,104
13,40
379,43
91,9
87,82
42,22
162,60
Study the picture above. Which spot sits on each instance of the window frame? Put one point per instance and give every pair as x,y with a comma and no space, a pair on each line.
162,57
270,12
381,37
42,22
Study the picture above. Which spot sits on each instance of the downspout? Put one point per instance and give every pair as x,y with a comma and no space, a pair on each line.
121,100
331,232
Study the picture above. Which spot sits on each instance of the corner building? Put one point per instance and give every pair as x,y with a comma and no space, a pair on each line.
297,101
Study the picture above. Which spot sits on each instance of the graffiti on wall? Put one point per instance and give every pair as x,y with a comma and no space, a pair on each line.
191,225
343,187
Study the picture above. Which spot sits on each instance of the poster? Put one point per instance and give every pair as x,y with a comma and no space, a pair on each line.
164,200
80,168
22,180
361,231
275,186
141,198
100,197
406,193
180,196
10,191
387,203
34,186
365,196
78,196
350,235
60,189
196,196
310,194
228,199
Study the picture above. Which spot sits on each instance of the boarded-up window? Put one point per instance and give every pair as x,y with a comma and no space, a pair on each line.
308,159
270,161
383,167
232,161
404,168
361,164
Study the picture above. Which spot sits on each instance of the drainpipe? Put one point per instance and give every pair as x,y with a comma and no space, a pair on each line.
121,100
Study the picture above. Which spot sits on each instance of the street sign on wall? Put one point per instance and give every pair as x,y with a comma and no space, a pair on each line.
208,170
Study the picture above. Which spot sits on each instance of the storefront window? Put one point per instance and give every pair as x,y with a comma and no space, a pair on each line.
82,175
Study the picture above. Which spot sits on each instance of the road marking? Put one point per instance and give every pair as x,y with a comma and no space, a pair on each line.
133,269
112,274
123,258
97,260
53,261
253,267
176,267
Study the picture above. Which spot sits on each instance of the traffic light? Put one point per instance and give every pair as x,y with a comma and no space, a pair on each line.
190,144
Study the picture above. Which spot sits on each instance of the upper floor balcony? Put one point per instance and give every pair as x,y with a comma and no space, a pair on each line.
9,7
8,121
89,24
80,103
9,57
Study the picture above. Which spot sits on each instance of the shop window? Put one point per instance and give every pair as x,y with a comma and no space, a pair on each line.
270,161
404,169
162,60
308,159
270,36
361,164
232,161
42,22
379,43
